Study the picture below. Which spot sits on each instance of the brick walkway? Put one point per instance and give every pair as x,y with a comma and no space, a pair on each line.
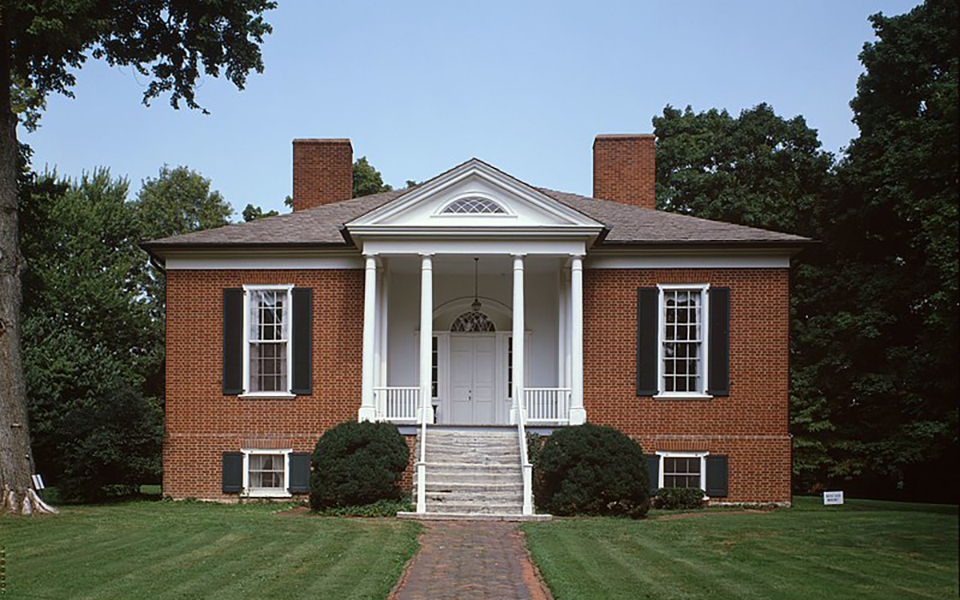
471,560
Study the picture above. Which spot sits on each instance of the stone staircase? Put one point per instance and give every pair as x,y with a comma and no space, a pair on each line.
473,474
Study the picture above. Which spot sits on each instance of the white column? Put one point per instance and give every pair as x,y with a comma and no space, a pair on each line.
562,330
426,336
383,325
518,337
578,414
368,410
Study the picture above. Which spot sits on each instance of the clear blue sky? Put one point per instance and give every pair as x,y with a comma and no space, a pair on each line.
421,86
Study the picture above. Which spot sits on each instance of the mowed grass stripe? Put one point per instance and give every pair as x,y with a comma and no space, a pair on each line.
165,550
866,549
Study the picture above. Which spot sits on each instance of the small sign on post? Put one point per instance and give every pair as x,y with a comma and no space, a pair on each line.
832,498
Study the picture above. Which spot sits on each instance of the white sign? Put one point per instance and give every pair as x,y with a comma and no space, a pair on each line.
833,498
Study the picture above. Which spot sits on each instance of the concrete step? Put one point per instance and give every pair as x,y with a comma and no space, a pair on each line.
482,477
474,461
472,488
479,499
467,445
502,508
441,434
485,466
444,516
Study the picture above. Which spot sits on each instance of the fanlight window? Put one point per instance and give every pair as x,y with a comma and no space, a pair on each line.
474,205
473,321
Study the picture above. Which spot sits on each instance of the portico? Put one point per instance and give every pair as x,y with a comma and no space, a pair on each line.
499,313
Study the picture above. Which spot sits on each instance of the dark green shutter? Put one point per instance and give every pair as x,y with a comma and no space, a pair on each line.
232,341
648,334
232,472
299,473
719,341
302,341
717,476
653,472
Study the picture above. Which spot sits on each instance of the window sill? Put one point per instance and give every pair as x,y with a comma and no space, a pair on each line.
268,396
682,396
268,494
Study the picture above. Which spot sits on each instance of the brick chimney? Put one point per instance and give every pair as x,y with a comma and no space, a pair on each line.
624,168
322,172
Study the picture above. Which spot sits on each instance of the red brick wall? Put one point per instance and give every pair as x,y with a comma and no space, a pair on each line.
750,426
201,422
322,172
624,169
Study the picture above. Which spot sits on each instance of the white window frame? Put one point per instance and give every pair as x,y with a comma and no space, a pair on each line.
704,289
441,212
288,318
678,454
280,493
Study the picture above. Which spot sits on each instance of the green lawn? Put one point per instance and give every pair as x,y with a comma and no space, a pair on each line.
865,549
163,550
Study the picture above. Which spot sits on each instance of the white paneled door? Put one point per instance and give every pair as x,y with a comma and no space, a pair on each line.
473,380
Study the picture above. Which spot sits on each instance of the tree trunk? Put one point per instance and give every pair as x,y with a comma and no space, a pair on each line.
16,459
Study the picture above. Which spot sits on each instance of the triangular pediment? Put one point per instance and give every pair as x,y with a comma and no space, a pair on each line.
473,196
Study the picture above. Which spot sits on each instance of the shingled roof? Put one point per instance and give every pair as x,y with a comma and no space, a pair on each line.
625,225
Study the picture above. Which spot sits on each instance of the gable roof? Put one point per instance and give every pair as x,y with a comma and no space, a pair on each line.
625,225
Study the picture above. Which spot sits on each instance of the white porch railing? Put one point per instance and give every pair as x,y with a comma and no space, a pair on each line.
547,405
397,403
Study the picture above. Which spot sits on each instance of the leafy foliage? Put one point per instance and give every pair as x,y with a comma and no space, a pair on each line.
92,353
252,213
173,44
367,179
875,305
678,498
355,464
592,470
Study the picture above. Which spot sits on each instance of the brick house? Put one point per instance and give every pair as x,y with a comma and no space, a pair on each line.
469,310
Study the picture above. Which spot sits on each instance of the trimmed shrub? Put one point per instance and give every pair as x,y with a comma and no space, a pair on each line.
678,498
355,464
591,470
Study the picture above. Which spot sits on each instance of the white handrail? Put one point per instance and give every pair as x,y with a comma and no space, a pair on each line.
525,466
422,463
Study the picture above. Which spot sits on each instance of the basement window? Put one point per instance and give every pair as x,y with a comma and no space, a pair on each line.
266,473
682,470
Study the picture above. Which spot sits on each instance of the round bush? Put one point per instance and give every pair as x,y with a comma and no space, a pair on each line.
678,498
592,470
355,464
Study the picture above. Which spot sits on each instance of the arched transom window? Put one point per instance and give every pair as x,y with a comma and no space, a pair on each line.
473,321
474,205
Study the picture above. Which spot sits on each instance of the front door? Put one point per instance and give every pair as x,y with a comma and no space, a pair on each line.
473,380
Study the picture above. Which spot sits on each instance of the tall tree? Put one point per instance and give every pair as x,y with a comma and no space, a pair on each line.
42,45
91,347
367,179
881,331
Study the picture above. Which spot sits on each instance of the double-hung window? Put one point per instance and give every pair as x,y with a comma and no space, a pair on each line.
682,470
267,360
683,334
266,472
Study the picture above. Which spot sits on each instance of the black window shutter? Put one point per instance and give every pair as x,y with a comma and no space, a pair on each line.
232,341
648,334
302,384
717,476
653,472
719,340
232,472
299,473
